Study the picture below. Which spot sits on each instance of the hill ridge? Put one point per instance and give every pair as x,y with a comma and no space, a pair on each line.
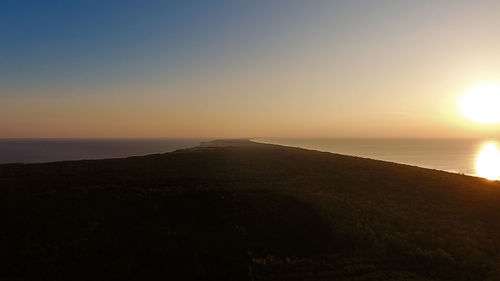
241,210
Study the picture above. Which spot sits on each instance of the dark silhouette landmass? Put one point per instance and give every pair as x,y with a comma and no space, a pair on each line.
239,210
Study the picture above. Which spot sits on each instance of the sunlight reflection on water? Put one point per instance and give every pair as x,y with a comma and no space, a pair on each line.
488,161
474,157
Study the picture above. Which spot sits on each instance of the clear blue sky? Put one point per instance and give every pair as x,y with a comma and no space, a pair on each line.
242,68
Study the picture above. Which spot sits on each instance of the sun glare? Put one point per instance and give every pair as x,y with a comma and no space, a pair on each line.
488,161
482,103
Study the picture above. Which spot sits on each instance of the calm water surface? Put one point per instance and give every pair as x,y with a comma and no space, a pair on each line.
48,150
467,156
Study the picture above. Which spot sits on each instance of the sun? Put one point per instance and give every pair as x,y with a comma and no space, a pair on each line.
482,103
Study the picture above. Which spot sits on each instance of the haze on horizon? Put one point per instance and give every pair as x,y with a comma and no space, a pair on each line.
244,68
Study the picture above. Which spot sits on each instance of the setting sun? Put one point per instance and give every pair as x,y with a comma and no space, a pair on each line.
250,140
481,103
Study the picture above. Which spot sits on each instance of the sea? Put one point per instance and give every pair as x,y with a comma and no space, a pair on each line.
50,150
476,157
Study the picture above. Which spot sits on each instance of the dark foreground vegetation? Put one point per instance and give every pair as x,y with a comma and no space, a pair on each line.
237,210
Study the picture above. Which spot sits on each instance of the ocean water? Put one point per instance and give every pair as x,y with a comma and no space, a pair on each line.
49,150
475,157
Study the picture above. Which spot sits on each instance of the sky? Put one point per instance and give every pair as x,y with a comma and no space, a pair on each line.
147,69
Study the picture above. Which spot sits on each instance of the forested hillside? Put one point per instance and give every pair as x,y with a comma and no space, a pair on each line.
239,210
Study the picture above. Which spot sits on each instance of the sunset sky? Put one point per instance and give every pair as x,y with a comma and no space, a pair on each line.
285,68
